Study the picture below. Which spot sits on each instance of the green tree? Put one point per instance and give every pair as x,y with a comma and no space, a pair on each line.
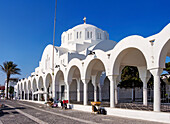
10,69
130,77
11,90
167,67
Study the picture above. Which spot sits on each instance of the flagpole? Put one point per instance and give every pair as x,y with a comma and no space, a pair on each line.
54,38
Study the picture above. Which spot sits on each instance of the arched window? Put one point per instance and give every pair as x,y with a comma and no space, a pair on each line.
68,36
100,36
91,35
97,35
80,34
88,34
77,35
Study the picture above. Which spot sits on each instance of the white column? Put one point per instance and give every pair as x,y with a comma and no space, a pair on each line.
45,95
100,93
54,90
145,94
95,87
112,79
95,93
28,96
17,94
116,98
85,91
68,94
78,90
144,75
38,96
32,96
24,95
157,100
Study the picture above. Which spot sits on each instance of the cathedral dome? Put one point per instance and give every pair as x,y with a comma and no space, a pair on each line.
84,26
82,36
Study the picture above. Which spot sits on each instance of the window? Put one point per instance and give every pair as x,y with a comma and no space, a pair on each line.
77,35
80,34
97,35
88,34
68,36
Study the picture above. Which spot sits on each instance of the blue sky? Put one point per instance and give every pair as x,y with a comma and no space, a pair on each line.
26,26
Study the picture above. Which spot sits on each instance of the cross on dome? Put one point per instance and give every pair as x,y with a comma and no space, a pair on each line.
84,20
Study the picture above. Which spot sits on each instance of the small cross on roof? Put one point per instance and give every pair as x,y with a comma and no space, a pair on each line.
84,20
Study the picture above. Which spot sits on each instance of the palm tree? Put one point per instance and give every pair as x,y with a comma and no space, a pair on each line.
10,69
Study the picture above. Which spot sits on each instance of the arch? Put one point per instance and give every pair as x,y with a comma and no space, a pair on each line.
93,67
34,85
25,86
48,80
59,76
74,72
131,42
129,57
41,83
48,85
29,86
76,86
165,51
74,62
22,86
60,85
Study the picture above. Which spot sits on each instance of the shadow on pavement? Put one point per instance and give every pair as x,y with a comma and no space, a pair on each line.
7,108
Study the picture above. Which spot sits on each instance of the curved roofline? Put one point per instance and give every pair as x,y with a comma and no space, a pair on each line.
84,25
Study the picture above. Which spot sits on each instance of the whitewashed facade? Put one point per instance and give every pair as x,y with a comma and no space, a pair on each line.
87,56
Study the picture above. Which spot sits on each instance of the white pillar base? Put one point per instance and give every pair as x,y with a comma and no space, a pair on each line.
112,79
68,94
78,90
95,93
85,93
157,100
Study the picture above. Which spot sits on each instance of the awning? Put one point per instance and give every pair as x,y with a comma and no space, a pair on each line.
40,92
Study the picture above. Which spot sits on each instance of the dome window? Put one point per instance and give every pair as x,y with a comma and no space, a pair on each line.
91,34
77,35
80,34
88,34
71,36
100,37
97,35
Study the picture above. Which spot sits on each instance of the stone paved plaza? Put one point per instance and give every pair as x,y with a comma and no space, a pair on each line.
18,112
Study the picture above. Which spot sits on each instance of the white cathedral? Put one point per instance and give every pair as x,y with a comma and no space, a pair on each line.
87,66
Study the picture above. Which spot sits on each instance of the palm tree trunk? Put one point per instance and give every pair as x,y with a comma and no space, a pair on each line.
7,87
